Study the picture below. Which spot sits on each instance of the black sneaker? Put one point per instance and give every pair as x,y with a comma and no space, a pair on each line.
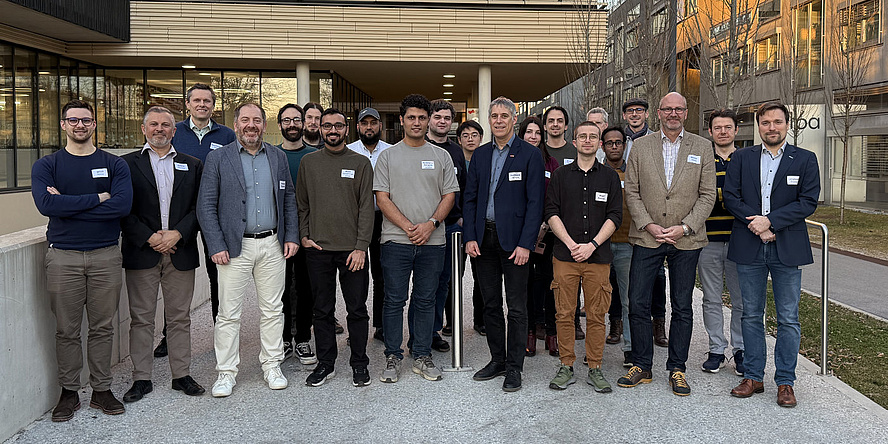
378,335
739,368
320,375
627,359
447,331
338,328
360,377
439,344
714,363
161,349
679,383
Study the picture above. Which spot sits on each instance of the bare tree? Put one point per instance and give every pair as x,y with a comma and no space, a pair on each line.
586,49
792,77
648,50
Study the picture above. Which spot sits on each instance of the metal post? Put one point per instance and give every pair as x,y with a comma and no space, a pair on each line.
824,298
456,321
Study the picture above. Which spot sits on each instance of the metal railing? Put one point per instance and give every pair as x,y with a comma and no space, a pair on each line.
824,297
457,259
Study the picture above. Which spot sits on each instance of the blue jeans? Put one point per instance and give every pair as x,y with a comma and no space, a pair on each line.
622,261
786,282
682,273
398,261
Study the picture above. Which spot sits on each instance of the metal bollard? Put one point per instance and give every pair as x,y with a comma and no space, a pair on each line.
456,322
824,297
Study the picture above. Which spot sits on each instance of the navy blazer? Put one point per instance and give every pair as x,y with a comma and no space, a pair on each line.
794,197
222,202
144,217
518,204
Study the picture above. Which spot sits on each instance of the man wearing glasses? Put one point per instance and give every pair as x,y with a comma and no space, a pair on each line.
635,113
670,188
85,192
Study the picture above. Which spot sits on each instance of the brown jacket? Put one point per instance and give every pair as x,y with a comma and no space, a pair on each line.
689,200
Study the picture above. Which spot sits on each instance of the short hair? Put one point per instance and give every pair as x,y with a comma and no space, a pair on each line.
440,105
556,108
415,101
504,102
586,123
469,124
294,106
246,104
768,106
724,112
312,105
77,104
597,110
614,128
331,112
158,110
200,86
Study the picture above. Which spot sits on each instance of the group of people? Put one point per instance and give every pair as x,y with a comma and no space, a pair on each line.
545,221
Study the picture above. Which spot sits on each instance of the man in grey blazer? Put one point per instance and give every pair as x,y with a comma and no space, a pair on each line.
247,212
670,191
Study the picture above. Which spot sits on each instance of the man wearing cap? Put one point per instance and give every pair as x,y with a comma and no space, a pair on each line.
370,145
635,113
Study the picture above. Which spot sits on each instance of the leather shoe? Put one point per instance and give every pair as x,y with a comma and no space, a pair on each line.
188,386
481,329
747,388
69,402
512,383
785,396
616,331
530,348
552,344
161,349
438,343
378,335
106,402
138,391
660,339
490,371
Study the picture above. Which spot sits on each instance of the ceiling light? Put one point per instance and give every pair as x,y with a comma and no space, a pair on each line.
204,73
447,99
188,66
43,73
448,85
448,93
449,76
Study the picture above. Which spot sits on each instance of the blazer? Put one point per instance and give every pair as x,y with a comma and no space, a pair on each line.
689,200
518,202
144,217
793,198
222,202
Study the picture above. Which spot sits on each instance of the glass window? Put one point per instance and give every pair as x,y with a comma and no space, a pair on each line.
25,115
237,88
855,157
278,89
322,88
808,44
769,10
125,97
165,89
658,22
50,134
7,117
631,39
766,54
214,80
718,69
861,23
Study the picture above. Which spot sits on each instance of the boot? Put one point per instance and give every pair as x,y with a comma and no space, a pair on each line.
552,344
660,332
531,348
616,331
579,335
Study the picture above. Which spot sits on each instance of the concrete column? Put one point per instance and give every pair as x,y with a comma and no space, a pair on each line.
484,98
303,83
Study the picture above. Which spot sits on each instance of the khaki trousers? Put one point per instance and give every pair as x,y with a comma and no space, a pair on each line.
78,279
178,290
595,279
262,260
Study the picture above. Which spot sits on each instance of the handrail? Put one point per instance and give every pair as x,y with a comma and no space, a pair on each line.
824,296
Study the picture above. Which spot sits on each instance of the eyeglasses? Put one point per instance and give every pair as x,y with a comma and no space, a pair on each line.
613,143
469,135
673,110
287,120
328,126
584,137
635,110
73,121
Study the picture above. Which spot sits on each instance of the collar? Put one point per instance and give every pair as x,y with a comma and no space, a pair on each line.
195,128
147,147
240,148
678,140
576,166
779,152
510,144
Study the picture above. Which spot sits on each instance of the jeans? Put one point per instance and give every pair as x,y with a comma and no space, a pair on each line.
786,282
298,299
715,270
426,263
622,261
443,299
682,274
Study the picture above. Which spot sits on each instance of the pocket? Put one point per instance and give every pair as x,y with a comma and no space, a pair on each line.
600,303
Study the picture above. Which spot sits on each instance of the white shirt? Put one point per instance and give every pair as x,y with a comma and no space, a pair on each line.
670,154
358,147
163,178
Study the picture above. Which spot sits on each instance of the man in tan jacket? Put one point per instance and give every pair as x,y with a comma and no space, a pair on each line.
670,191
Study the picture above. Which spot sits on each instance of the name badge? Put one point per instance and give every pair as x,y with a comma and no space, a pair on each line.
600,197
456,171
283,184
99,172
215,146
548,174
514,176
180,166
428,164
623,184
568,161
348,174
694,159
792,180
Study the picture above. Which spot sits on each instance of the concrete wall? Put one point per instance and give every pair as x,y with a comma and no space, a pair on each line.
29,385
19,212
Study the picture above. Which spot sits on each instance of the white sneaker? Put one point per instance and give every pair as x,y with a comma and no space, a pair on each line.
275,379
222,387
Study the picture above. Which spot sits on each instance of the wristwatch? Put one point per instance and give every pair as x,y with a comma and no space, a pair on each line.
686,228
435,221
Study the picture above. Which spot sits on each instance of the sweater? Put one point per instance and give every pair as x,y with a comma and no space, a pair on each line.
720,221
186,142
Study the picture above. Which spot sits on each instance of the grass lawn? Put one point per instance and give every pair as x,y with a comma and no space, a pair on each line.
864,233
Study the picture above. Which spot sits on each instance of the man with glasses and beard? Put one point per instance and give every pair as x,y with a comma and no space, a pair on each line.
297,297
370,146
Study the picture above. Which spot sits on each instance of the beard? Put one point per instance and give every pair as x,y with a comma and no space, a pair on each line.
312,135
333,139
371,139
292,135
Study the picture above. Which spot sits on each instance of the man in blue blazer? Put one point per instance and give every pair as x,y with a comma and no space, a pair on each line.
247,212
771,188
502,212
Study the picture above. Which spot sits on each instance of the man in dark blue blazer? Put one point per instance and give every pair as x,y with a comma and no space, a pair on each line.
502,215
771,188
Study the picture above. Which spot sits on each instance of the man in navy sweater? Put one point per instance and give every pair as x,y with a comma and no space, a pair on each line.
85,192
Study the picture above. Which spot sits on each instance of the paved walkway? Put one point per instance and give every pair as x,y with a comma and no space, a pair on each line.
855,282
459,409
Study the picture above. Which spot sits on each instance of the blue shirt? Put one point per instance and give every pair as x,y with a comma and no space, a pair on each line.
261,211
497,163
769,165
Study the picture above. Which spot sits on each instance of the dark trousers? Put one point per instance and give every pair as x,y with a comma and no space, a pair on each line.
477,300
658,301
323,265
213,274
682,274
540,297
298,299
376,270
495,268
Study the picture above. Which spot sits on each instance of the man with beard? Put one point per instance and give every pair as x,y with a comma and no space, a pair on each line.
311,136
334,193
160,251
635,113
370,146
247,210
670,189
555,120
297,297
84,192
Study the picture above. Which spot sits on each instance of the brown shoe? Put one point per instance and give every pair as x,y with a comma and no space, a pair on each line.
531,348
69,402
106,402
616,331
660,332
747,388
552,344
785,396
